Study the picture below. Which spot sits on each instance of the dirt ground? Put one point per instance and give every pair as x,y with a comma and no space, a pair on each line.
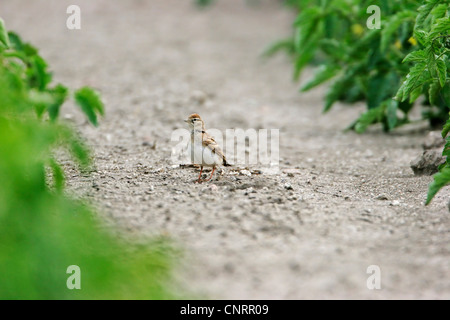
352,201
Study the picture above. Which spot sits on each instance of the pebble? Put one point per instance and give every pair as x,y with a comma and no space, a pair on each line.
249,190
428,163
288,186
433,140
395,203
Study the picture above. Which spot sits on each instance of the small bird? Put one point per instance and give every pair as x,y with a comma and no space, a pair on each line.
203,149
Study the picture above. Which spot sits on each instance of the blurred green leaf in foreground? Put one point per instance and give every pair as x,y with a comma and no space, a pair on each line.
42,230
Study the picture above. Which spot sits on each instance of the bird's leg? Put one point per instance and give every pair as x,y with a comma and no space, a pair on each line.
200,175
214,168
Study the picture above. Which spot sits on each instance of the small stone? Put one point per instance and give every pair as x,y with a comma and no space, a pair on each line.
433,140
428,163
395,203
288,186
248,191
245,173
381,197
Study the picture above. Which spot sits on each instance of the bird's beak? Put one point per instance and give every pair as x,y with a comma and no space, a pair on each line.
186,120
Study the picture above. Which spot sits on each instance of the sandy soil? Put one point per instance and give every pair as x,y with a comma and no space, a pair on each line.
352,201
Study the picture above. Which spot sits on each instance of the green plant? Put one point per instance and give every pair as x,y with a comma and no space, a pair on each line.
42,230
27,68
364,64
430,75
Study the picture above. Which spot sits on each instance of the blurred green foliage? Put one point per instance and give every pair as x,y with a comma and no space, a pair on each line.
431,74
203,3
42,230
369,64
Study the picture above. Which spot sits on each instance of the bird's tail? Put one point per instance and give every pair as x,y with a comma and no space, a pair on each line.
226,164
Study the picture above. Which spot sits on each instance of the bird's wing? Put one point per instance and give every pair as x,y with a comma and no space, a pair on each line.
210,143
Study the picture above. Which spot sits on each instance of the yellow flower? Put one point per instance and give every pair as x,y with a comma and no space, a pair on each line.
398,44
357,29
413,41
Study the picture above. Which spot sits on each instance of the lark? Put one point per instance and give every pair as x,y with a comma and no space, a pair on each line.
203,150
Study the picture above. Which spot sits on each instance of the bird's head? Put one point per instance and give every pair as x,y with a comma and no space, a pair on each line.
194,121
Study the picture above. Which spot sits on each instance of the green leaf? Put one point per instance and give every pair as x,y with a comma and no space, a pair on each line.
441,179
405,106
323,73
369,39
441,26
424,12
380,87
416,56
417,76
76,146
4,39
282,45
446,151
440,10
59,94
445,129
446,94
15,41
366,119
304,57
58,175
39,97
38,76
391,113
307,31
422,37
441,70
333,48
415,94
433,93
341,85
90,103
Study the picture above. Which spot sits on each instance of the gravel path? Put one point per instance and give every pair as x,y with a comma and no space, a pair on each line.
349,201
